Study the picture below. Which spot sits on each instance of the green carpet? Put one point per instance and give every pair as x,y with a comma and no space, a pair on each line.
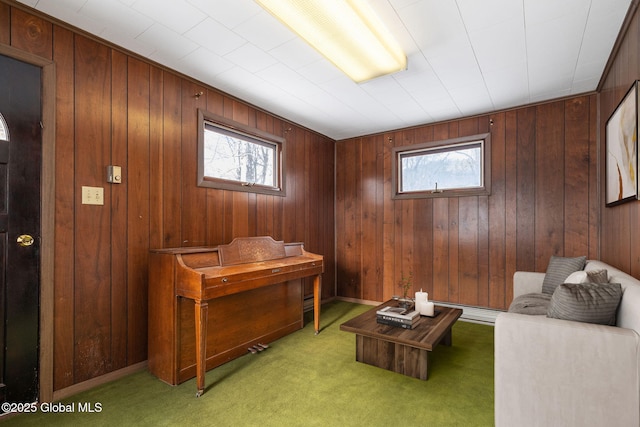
304,380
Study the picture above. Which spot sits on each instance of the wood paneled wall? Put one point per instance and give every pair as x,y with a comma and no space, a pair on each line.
620,225
543,202
114,108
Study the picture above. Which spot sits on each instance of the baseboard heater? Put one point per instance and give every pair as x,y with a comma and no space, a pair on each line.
484,316
307,304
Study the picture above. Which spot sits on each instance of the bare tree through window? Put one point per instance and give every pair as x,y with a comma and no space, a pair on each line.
450,168
237,157
231,158
454,167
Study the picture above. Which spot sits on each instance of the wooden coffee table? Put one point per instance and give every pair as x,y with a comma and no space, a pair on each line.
405,351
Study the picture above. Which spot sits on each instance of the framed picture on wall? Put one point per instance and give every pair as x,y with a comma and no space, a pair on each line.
622,150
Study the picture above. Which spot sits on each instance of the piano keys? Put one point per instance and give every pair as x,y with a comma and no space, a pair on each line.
209,305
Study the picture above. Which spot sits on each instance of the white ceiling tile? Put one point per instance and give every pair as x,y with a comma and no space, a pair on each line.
608,13
31,3
229,13
252,89
204,65
598,37
68,11
589,70
583,86
494,51
554,36
251,58
320,71
546,96
409,112
296,54
241,77
361,111
386,90
435,25
399,4
478,15
117,17
170,46
240,82
508,87
177,15
440,33
264,31
290,106
596,47
471,99
549,84
540,11
457,69
442,109
551,49
284,77
134,45
326,102
55,5
425,95
552,65
215,37
348,92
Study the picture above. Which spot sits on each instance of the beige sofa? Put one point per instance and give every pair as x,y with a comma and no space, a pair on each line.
551,372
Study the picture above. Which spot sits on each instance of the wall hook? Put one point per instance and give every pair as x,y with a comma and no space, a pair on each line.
198,94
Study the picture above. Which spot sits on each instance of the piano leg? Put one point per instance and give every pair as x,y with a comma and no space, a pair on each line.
201,312
317,295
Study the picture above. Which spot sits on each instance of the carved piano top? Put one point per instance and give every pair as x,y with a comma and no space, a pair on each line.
245,263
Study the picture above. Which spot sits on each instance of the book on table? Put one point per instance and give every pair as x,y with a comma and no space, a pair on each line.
399,313
397,316
393,322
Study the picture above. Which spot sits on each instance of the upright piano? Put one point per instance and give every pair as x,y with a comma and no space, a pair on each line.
208,305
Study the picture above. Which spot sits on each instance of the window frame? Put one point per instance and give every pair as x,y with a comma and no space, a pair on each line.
483,190
246,133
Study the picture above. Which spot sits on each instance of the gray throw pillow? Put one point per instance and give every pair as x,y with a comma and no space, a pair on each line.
534,304
598,276
586,302
558,270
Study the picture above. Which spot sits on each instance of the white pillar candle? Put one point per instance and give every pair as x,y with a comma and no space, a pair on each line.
427,309
421,299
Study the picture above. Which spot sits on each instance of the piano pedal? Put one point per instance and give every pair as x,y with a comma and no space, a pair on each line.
252,350
258,348
264,346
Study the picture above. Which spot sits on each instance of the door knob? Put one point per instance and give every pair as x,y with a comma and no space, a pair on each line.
25,240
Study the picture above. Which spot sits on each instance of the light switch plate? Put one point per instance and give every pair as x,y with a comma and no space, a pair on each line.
92,195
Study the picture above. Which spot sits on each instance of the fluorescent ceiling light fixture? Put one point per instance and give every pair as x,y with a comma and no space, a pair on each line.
347,32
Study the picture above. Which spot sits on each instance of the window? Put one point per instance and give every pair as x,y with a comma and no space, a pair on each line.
4,129
455,167
233,156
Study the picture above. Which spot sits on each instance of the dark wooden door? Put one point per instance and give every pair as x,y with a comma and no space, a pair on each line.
20,168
